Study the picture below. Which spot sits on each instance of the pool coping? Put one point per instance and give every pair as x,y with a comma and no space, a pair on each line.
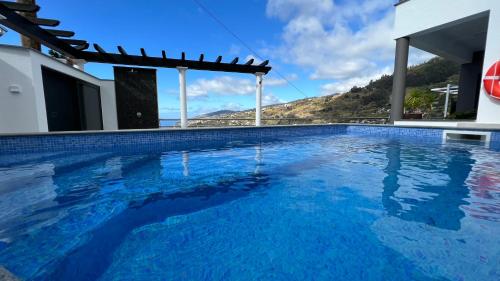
27,134
178,138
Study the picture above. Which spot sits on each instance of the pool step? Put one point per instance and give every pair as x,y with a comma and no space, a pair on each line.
17,177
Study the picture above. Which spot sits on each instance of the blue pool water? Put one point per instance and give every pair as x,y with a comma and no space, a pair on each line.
317,208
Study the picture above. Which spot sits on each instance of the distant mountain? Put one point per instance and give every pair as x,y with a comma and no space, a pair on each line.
372,100
215,113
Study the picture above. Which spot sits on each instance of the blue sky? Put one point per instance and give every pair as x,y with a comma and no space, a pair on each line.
322,46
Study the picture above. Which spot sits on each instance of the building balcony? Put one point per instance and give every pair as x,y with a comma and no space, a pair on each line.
462,31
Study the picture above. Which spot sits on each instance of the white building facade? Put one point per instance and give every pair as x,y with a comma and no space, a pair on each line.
465,31
22,97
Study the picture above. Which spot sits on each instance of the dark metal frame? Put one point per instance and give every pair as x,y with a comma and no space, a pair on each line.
76,49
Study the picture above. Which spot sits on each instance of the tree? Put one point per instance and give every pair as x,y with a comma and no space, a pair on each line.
419,100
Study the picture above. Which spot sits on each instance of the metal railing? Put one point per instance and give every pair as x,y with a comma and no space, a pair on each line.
229,122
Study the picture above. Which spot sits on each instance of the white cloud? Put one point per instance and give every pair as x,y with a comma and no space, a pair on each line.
285,9
234,106
224,85
269,99
273,81
418,56
330,44
343,86
348,42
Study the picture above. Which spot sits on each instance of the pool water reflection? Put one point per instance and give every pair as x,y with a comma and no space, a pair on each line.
321,208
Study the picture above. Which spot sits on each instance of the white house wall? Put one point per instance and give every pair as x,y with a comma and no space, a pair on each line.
108,104
419,16
19,112
25,112
489,108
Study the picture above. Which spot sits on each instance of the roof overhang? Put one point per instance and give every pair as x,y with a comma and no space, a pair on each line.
457,41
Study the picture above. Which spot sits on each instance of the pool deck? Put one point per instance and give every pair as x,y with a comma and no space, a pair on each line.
445,124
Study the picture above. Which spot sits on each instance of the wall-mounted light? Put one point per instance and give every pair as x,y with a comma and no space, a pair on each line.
15,89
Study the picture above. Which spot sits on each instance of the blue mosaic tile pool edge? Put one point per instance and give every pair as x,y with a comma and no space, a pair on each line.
176,139
167,139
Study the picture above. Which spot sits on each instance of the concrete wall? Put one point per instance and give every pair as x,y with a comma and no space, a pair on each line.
418,16
25,111
19,112
108,104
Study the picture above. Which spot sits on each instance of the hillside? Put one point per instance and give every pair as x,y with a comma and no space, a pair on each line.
216,113
372,100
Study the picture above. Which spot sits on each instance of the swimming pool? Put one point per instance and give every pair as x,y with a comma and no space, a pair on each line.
329,207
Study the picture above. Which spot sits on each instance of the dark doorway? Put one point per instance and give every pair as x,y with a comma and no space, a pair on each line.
90,101
71,104
136,98
470,87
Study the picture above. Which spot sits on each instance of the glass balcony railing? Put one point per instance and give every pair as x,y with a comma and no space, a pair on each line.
240,122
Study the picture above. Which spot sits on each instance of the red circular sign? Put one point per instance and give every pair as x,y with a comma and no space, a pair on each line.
492,81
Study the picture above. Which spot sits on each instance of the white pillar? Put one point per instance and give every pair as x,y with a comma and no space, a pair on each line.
448,89
258,99
182,97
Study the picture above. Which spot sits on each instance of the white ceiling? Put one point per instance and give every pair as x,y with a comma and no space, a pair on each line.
457,40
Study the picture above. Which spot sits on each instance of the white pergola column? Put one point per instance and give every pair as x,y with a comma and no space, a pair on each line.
258,98
183,95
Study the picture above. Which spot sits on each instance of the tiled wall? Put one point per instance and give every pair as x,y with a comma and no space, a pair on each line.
167,139
495,137
391,131
178,139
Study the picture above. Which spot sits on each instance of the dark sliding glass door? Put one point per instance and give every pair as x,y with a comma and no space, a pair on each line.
71,104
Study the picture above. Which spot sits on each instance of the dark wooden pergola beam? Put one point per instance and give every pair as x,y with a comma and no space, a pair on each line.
60,33
264,63
234,61
99,49
82,47
104,57
18,23
73,41
21,7
122,51
219,59
43,22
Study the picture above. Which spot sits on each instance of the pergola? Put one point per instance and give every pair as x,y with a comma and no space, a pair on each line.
13,15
